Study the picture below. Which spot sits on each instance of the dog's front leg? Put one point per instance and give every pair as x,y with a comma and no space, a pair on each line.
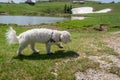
48,48
59,44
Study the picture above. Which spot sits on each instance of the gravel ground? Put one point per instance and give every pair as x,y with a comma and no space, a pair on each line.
114,41
90,74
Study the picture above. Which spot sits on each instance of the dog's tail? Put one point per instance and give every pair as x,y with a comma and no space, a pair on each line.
11,36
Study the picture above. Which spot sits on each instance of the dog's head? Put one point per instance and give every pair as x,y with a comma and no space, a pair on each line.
65,37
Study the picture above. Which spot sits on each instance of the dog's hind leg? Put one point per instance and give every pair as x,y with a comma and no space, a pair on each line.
33,48
21,47
48,48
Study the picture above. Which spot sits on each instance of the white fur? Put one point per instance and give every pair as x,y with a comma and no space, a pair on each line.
33,36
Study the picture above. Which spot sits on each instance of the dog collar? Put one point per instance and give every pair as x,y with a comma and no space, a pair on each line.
52,40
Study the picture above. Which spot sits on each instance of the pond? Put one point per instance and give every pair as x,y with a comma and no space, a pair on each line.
29,20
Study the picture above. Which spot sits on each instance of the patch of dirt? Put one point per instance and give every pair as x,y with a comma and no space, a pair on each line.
114,61
114,41
54,71
91,74
103,64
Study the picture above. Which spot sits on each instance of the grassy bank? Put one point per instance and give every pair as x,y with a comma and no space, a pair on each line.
64,62
51,8
94,20
39,9
57,9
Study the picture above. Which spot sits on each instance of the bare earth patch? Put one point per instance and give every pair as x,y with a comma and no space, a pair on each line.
115,61
114,41
54,71
106,62
91,74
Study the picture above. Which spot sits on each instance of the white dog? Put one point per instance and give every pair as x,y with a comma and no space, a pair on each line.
33,36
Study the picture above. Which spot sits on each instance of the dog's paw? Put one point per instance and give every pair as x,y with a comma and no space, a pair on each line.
20,55
49,53
61,47
35,52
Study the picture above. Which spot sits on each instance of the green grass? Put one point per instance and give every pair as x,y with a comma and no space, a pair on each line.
114,70
73,66
39,66
94,20
47,8
106,60
84,43
57,9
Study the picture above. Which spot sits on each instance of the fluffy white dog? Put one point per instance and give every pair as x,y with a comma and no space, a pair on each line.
41,35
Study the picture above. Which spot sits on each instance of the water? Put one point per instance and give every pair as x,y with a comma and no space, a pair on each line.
29,20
